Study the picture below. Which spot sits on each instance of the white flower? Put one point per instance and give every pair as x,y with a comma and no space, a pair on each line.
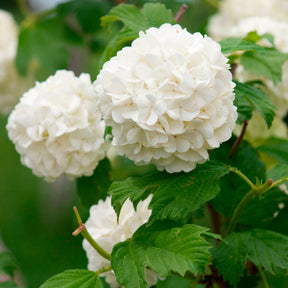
8,39
12,86
57,128
169,98
102,225
231,12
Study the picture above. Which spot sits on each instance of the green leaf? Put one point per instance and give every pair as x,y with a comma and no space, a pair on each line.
276,148
279,223
91,189
258,99
233,44
244,108
44,46
233,188
279,171
134,21
73,279
174,195
87,12
163,249
264,248
267,63
7,263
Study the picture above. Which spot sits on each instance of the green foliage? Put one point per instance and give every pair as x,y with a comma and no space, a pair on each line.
91,189
163,248
9,284
267,63
264,248
73,279
43,46
276,148
87,12
251,98
7,263
174,195
279,171
279,223
134,21
233,44
258,60
233,188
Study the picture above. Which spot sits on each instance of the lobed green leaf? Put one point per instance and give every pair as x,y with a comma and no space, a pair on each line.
74,279
257,99
163,248
267,63
134,21
230,45
264,248
174,195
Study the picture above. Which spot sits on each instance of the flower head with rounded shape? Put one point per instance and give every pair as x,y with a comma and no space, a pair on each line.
57,127
168,97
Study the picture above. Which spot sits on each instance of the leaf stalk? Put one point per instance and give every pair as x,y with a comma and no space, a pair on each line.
241,175
255,191
82,229
103,270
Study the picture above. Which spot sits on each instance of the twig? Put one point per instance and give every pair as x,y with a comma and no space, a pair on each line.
263,277
180,13
241,175
239,139
215,220
82,229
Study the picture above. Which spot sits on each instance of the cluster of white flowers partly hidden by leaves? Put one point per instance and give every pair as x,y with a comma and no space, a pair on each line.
168,97
264,17
103,226
9,92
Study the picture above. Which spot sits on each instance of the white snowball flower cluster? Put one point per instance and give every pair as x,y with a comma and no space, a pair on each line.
168,97
102,225
57,127
231,12
12,85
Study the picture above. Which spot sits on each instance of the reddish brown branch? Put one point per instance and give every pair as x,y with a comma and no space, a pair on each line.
239,139
180,13
215,220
